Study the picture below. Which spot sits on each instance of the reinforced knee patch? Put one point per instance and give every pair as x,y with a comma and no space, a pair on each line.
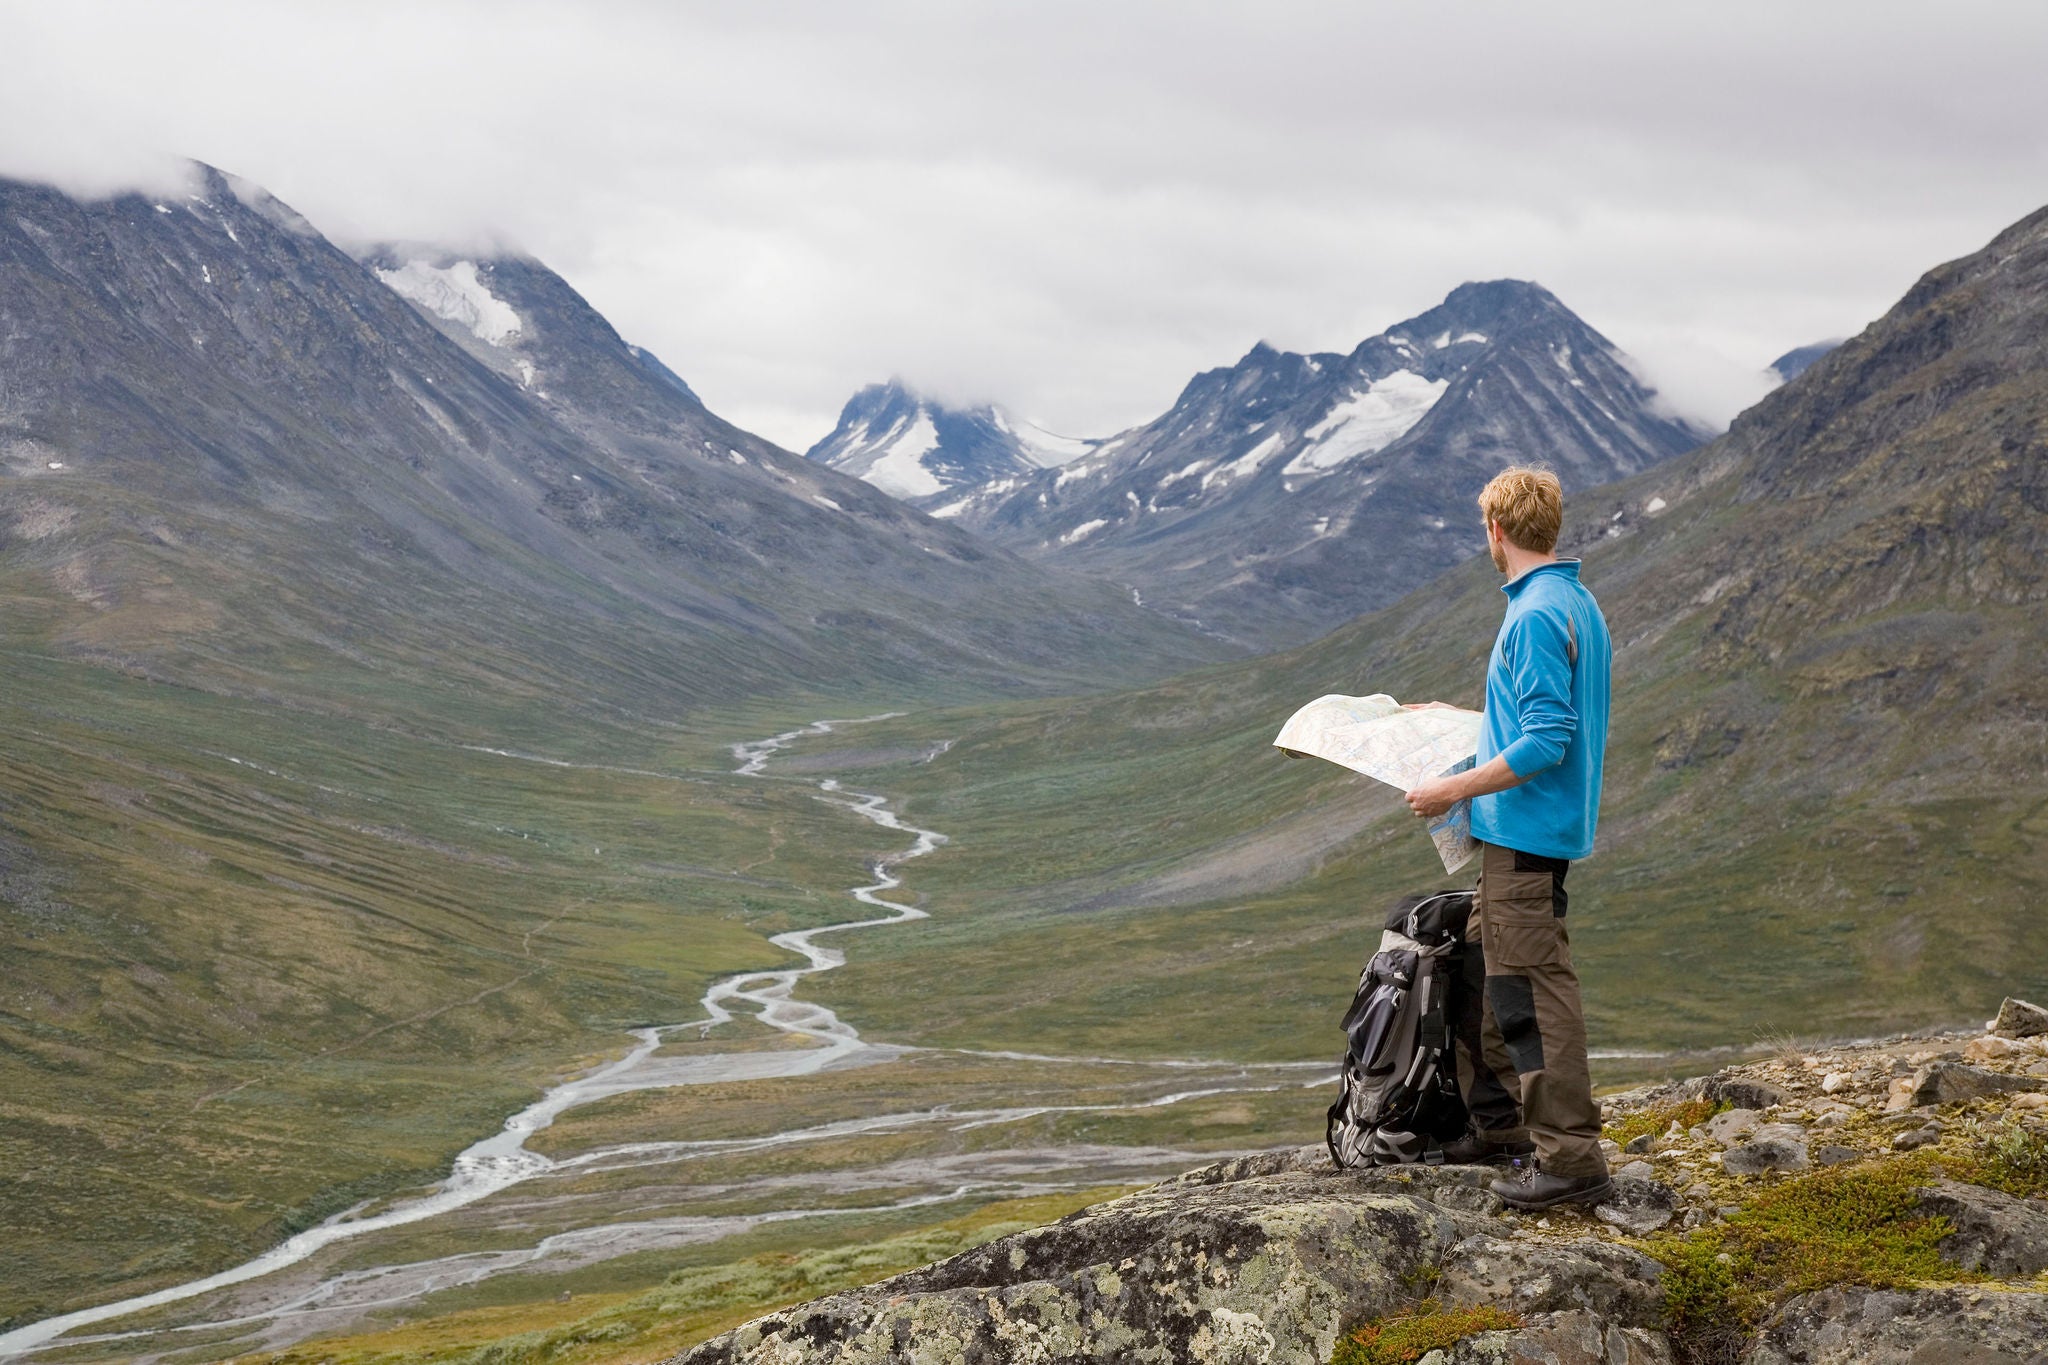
1514,1010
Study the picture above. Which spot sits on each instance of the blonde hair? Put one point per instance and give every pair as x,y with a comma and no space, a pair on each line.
1528,502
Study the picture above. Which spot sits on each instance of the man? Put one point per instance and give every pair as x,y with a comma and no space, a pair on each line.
1535,791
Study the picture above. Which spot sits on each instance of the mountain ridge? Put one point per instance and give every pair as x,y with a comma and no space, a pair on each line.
281,390
1288,492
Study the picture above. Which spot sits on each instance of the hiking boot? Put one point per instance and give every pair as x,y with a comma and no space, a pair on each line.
1530,1188
1473,1149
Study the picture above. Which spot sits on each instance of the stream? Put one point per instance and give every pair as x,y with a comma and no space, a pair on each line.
502,1160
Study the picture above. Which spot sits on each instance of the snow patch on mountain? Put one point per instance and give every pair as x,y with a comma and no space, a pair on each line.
1046,449
1369,420
454,292
1080,469
1245,464
897,467
1083,531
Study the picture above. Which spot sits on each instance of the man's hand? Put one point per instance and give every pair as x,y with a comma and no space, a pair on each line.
1436,796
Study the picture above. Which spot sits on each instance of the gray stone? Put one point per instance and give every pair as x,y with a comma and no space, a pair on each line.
1995,1232
1744,1092
2018,1019
1464,1189
1771,1154
1915,1138
1905,1327
1953,1082
1619,1285
1264,1268
1639,1170
1835,1154
1640,1144
1569,1338
1639,1205
1279,1161
1732,1126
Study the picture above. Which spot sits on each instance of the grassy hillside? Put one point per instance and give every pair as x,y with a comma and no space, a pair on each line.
263,962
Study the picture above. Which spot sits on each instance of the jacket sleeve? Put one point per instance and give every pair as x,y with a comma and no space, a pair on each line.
1540,679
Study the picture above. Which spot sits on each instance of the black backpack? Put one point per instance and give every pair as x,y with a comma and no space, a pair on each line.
1400,1101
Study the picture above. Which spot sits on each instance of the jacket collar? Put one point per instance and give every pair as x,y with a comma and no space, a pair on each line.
1568,567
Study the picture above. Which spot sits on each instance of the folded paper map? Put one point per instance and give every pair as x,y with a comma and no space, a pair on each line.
1377,736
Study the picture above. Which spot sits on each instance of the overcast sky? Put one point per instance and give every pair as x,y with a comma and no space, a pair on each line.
1072,208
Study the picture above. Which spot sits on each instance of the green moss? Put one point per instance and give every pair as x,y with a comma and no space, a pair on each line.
1406,1337
1655,1121
1857,1224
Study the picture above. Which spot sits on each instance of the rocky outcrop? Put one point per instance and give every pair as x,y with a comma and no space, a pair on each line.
1907,1327
1266,1268
1994,1232
1272,1257
1575,1338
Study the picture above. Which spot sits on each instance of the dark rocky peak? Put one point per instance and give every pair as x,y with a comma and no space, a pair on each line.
217,294
1265,376
1445,339
1965,329
1800,359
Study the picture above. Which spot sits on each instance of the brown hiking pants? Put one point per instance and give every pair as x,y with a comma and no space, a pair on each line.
1533,1028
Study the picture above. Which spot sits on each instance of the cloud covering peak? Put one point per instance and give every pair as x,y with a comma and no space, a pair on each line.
1073,207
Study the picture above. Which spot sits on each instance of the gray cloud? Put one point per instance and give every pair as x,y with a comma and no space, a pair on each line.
1072,207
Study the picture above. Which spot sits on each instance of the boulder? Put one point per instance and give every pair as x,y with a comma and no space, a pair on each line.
1639,1206
1744,1092
1835,1154
1616,1284
1572,1338
1995,1233
1954,1082
1905,1327
2018,1019
1732,1126
1992,1048
1769,1154
1263,1269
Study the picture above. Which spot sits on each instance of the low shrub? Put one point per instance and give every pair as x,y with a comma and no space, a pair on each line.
2007,1157
1402,1338
1857,1224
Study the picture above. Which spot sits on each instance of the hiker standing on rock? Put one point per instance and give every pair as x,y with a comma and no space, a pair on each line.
1535,792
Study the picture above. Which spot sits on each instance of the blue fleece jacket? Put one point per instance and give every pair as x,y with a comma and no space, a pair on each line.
1546,714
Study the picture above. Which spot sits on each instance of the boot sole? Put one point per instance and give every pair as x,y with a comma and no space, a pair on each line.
1598,1194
